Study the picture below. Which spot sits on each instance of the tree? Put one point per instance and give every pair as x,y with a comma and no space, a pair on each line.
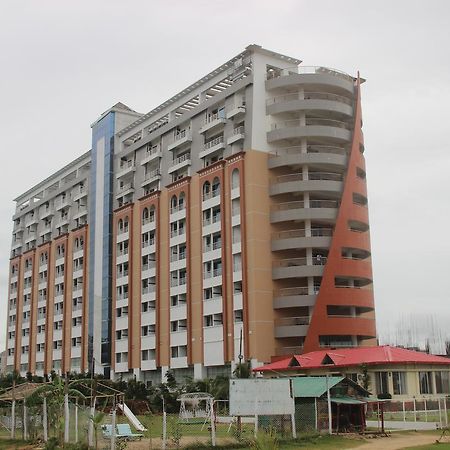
97,420
55,391
365,377
243,370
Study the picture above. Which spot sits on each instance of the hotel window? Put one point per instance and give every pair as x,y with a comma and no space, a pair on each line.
442,382
399,382
425,382
381,382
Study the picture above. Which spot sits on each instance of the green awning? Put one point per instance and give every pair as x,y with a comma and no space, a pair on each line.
313,386
347,400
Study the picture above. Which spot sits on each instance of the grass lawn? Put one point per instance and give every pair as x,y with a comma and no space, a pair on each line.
11,444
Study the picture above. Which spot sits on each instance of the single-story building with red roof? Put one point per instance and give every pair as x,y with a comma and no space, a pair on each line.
402,373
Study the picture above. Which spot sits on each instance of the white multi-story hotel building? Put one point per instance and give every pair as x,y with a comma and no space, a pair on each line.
229,222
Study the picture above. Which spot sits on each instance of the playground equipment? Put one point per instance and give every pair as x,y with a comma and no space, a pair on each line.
131,417
198,407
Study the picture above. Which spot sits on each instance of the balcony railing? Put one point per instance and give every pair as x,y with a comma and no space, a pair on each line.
179,232
149,265
308,96
149,289
182,158
211,194
177,208
292,321
174,282
295,262
212,220
238,130
214,246
126,165
310,122
291,292
301,204
315,232
182,134
213,118
177,257
212,273
148,243
149,219
297,150
152,174
218,140
311,176
125,187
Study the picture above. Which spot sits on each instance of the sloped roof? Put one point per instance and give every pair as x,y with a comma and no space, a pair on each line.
20,392
384,354
313,386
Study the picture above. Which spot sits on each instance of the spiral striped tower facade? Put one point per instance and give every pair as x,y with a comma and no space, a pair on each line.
320,241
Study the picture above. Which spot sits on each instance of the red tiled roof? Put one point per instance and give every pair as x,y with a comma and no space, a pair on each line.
344,357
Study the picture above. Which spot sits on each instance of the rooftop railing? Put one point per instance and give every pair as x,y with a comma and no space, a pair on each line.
308,70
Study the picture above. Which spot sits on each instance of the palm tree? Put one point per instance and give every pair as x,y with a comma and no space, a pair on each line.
97,420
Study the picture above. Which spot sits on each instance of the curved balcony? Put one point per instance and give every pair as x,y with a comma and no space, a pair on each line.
310,101
317,78
335,130
294,297
314,182
291,327
316,210
327,155
296,239
298,268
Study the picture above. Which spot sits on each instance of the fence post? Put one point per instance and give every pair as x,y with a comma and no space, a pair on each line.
25,424
66,417
76,420
440,412
13,419
44,419
164,426
445,412
113,425
213,425
425,409
256,426
404,411
415,411
330,421
294,431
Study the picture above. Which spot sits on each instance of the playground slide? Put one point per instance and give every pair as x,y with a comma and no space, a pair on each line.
131,417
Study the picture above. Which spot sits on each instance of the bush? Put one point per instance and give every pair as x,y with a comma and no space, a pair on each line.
52,444
384,396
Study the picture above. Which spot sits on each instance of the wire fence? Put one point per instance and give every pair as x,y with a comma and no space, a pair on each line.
198,427
413,410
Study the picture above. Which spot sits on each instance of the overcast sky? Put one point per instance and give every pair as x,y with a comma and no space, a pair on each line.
63,63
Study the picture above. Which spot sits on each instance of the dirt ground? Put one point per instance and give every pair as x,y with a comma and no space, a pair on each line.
393,442
400,441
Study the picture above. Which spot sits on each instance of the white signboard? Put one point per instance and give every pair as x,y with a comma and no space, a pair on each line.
261,397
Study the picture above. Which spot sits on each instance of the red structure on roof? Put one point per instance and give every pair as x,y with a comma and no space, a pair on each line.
346,357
